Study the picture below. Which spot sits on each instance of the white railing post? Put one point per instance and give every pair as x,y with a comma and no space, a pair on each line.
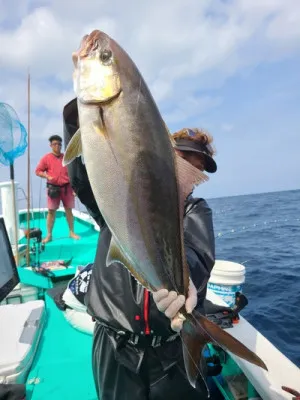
8,209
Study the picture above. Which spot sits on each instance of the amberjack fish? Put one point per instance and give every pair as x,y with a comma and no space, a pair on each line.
139,183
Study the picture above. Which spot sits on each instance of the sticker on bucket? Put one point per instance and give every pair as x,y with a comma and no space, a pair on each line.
227,293
226,279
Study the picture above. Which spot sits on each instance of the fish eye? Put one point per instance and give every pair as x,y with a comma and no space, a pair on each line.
106,56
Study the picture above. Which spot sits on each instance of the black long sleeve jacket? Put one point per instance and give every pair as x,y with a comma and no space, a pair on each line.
114,296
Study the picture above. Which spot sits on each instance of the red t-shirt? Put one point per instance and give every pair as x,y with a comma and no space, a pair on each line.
52,164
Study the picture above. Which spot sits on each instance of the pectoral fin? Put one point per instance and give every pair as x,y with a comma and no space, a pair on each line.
74,149
115,254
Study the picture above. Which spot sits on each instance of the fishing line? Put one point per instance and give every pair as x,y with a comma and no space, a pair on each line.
31,199
265,224
222,211
39,207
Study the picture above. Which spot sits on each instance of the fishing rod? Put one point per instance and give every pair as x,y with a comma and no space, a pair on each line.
28,170
31,233
13,188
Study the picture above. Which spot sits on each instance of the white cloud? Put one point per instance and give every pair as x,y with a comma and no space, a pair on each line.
191,106
171,45
284,29
182,50
185,51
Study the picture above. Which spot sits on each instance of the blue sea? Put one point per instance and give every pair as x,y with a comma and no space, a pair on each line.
262,231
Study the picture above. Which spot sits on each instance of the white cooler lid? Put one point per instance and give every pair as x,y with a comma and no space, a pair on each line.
19,327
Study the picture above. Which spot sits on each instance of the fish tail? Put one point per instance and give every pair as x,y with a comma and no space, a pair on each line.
193,343
197,331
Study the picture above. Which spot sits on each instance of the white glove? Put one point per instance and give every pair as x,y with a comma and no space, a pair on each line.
170,303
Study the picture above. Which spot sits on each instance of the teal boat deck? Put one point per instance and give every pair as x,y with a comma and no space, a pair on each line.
62,367
62,247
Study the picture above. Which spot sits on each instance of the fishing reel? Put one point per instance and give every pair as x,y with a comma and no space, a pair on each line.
37,246
225,317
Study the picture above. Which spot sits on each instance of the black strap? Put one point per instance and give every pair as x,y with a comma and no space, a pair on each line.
57,186
124,337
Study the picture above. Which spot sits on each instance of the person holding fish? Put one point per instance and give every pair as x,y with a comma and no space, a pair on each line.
156,247
131,304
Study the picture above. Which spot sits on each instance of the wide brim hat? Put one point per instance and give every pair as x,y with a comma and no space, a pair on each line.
197,147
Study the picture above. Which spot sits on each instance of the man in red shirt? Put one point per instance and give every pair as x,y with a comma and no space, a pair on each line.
58,186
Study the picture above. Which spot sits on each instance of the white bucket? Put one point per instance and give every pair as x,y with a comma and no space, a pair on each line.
226,279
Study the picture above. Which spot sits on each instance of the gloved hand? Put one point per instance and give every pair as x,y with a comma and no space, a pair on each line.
170,303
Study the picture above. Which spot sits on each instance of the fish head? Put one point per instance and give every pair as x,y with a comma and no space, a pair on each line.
96,78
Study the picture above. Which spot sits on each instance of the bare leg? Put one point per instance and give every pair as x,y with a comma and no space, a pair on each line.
70,220
50,224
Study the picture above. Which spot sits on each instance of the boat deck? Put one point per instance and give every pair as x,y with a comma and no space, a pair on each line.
62,367
62,247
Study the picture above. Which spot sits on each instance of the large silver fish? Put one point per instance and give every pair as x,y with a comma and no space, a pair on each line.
138,182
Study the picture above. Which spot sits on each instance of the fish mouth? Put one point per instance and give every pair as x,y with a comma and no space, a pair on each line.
91,41
100,102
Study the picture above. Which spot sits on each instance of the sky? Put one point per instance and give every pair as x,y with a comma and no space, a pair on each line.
230,67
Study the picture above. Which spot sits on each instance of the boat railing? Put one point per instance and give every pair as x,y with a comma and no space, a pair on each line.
24,197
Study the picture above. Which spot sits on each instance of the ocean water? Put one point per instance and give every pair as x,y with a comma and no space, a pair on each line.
262,231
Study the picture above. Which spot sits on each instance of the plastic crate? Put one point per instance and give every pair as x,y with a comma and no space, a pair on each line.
21,294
